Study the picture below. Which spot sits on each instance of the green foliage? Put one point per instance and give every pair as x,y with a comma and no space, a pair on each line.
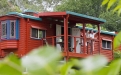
117,41
93,8
113,21
46,61
88,7
110,4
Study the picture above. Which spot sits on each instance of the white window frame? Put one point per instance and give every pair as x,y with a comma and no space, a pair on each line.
38,37
14,29
3,36
106,44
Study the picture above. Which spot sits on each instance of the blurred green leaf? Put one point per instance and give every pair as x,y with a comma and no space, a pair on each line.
65,68
42,61
105,2
117,41
10,66
110,3
114,67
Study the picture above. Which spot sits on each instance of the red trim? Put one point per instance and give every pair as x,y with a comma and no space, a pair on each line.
106,39
52,14
38,27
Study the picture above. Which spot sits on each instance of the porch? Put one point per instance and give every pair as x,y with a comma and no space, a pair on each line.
69,41
75,46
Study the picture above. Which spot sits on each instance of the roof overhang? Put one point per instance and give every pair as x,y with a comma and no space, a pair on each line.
73,17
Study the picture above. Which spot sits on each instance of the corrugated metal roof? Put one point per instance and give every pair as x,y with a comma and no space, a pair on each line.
85,16
25,16
103,32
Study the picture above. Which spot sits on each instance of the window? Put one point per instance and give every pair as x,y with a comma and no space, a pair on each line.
12,28
106,44
9,29
37,33
3,29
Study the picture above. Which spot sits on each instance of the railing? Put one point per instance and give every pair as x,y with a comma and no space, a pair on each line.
74,41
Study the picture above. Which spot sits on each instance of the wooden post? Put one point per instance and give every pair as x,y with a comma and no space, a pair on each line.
84,38
74,44
112,47
66,36
27,31
99,38
53,41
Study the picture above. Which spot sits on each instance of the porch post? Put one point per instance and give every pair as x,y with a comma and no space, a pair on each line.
84,38
66,36
99,38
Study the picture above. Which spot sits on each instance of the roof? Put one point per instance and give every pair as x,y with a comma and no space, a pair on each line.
85,16
73,16
25,16
103,32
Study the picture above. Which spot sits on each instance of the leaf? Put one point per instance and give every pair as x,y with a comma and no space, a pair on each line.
105,2
117,8
114,67
10,66
89,63
111,2
119,11
117,41
65,68
42,61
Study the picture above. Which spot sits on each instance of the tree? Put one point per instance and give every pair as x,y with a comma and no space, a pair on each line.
88,7
6,7
92,8
113,21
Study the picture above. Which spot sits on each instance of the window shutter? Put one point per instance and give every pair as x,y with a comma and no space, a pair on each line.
8,29
17,29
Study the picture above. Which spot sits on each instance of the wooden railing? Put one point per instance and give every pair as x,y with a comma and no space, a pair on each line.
53,41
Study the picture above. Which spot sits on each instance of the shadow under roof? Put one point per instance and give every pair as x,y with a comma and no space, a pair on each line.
73,17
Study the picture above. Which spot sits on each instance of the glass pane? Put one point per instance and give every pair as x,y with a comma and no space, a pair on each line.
34,33
103,43
12,29
4,29
109,44
40,34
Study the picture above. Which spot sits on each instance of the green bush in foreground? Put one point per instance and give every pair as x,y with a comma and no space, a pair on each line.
46,61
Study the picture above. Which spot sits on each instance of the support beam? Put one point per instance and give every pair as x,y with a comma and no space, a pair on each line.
99,38
66,36
84,38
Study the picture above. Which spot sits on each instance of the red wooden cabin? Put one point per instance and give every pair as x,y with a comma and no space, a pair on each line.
20,33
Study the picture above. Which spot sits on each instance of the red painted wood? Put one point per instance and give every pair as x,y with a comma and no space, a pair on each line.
75,44
52,14
99,38
9,44
66,36
84,38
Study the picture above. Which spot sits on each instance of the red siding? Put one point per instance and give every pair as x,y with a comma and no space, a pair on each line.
34,43
107,53
22,38
9,44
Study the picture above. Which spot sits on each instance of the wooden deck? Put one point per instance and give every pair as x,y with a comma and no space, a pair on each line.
75,55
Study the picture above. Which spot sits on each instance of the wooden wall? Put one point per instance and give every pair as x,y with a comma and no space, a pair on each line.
35,43
105,52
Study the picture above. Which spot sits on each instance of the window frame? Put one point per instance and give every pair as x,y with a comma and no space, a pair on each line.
38,37
3,36
12,37
106,44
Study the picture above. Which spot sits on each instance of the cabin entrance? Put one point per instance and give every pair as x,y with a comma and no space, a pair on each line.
73,39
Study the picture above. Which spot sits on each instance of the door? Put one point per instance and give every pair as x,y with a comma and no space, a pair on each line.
76,32
58,33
